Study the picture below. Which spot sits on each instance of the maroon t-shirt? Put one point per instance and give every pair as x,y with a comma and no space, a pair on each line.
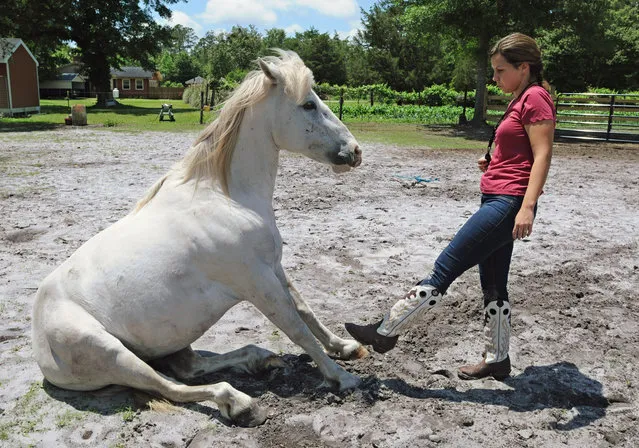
509,168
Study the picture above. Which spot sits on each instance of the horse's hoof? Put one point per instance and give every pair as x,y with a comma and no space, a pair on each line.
251,416
360,353
349,382
352,350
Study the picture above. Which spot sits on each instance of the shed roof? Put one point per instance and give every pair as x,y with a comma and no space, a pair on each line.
8,46
196,80
71,77
131,72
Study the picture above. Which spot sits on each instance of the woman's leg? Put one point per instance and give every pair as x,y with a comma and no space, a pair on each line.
486,231
484,234
493,274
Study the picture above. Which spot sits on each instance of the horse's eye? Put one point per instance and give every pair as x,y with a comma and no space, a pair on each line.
309,105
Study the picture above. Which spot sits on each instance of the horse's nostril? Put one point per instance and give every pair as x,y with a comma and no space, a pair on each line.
358,151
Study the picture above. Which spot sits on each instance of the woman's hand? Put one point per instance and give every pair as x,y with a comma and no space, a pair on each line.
523,223
482,164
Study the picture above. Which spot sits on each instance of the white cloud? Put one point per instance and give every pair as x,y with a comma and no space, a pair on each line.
335,8
243,11
348,34
265,11
181,18
292,29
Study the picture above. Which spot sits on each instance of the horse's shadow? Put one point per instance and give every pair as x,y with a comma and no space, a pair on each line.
560,386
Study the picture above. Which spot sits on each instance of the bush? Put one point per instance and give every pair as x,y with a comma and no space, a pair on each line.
192,95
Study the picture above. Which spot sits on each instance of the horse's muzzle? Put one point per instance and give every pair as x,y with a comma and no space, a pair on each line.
352,158
357,157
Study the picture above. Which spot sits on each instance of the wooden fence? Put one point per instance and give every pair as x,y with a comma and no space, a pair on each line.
169,93
586,116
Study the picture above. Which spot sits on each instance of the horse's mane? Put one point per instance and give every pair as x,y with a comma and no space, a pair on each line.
211,154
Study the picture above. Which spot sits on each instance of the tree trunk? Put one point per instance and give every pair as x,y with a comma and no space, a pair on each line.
100,76
479,118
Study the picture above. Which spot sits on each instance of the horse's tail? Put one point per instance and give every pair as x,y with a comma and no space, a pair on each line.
150,194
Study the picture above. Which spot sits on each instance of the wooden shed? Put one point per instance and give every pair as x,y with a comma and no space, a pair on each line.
19,85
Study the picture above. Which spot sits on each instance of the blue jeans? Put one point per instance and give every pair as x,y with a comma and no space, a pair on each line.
486,240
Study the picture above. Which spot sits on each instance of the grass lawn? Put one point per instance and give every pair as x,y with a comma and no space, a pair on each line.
128,115
133,115
409,135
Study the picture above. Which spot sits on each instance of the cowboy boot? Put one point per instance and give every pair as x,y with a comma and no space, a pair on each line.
496,362
383,335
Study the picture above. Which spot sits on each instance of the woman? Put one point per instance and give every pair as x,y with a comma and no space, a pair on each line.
512,182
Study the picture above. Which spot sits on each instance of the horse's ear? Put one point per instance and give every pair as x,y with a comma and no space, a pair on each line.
270,71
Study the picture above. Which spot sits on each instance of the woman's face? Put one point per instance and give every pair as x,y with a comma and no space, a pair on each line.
509,79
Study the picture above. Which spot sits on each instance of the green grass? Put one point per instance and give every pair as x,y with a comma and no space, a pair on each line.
134,115
24,416
128,115
127,413
409,135
67,418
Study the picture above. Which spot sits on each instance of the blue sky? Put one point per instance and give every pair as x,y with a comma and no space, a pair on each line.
341,16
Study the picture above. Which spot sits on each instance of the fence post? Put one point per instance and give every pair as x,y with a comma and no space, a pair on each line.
371,97
201,107
485,105
341,103
610,113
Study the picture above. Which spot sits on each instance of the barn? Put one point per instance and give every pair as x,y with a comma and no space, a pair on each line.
19,84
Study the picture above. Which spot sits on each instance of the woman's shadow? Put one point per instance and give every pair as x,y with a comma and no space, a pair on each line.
560,385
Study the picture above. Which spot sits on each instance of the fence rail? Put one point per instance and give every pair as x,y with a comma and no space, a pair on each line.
586,116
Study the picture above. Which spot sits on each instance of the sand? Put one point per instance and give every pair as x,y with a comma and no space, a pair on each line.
354,242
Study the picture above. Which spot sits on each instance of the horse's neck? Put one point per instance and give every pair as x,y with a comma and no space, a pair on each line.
254,164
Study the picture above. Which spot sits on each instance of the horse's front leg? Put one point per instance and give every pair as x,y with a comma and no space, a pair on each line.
277,304
334,345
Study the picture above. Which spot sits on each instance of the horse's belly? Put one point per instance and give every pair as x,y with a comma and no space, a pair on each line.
169,324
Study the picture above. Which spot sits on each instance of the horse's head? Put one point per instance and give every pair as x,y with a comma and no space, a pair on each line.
301,122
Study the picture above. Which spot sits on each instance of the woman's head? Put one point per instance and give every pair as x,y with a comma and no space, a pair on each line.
523,55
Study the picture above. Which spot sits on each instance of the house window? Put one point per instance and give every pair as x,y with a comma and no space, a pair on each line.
126,84
115,83
139,84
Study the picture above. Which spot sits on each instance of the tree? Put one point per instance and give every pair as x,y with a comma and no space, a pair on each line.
183,38
322,55
358,70
403,57
179,67
42,28
105,32
275,38
245,44
477,20
623,32
482,21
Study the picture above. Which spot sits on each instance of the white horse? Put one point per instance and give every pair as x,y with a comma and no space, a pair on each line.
202,240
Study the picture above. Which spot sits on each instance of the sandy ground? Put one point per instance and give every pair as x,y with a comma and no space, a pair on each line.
354,242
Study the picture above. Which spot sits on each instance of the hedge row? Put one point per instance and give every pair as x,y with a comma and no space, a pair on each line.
435,95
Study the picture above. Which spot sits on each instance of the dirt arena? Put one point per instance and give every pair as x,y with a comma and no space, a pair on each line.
353,243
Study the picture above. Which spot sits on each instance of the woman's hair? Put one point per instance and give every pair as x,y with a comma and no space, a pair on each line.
518,48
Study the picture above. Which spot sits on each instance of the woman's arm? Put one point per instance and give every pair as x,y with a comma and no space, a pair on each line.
541,135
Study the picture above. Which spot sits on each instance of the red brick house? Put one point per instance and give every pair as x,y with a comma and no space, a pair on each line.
133,81
19,84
